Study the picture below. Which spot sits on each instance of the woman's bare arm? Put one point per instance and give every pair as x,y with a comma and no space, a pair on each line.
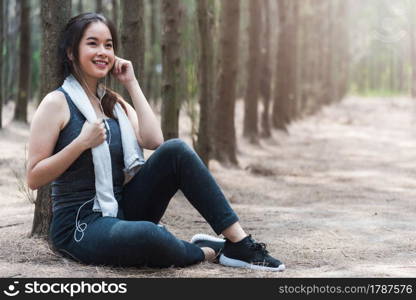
145,123
47,122
43,167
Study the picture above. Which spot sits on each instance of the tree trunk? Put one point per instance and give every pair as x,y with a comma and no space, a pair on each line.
300,61
114,10
206,78
133,38
294,60
283,97
400,74
314,60
373,82
12,61
413,52
250,129
171,62
392,69
266,72
1,61
337,20
344,69
54,15
99,6
80,7
20,113
305,56
328,76
224,129
152,78
113,83
321,58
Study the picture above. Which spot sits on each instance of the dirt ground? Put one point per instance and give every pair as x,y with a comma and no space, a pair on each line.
334,198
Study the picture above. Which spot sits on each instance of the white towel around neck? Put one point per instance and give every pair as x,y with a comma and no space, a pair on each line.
104,200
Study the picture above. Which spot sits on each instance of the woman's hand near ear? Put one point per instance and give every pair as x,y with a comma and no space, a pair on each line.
145,124
123,71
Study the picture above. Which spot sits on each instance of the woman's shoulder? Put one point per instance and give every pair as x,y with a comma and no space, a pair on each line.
55,103
54,98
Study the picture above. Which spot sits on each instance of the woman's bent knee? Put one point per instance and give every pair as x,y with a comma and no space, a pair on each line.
175,145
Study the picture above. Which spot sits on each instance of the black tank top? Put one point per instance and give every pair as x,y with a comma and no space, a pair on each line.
77,183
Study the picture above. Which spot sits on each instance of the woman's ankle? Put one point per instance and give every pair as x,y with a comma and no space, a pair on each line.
234,233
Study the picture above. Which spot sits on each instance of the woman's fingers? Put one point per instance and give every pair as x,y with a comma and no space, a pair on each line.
120,64
117,65
123,70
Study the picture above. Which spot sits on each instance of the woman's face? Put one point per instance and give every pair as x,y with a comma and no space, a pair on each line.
96,53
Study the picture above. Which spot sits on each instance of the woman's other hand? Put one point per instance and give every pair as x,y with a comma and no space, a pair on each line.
92,134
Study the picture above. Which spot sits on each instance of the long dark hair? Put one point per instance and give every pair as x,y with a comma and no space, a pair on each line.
70,39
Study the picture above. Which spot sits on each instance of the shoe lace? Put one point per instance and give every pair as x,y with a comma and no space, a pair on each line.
258,246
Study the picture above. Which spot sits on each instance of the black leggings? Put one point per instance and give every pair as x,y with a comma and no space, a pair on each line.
134,238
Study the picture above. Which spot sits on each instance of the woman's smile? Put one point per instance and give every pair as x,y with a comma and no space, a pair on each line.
101,64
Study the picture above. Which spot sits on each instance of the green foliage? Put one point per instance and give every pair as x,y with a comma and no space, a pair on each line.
380,39
378,93
35,72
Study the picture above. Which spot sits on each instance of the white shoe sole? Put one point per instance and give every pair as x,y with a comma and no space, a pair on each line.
205,237
229,262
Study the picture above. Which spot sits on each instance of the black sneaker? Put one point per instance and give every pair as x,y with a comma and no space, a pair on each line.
205,240
247,253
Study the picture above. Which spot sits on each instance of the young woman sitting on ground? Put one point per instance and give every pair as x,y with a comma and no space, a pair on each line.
85,139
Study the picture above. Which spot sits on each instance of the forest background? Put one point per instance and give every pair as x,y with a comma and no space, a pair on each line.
302,109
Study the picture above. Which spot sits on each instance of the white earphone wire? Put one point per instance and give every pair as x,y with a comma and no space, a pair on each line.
101,96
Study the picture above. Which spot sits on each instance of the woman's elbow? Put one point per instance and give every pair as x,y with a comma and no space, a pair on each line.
31,183
33,187
160,141
155,144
